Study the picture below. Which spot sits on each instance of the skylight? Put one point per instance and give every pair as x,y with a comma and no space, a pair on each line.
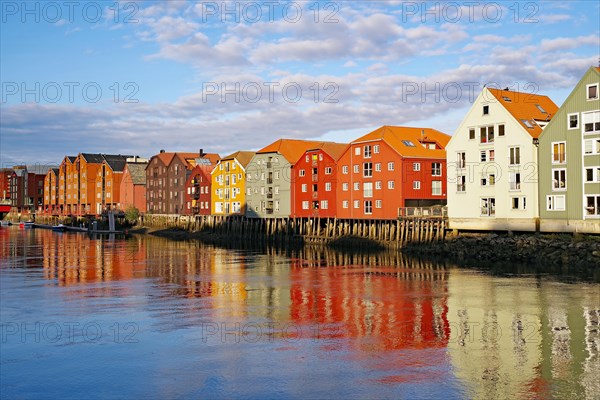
507,99
527,123
203,161
408,143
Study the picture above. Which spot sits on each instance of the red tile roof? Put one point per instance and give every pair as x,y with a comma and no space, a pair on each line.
407,140
335,150
243,157
523,107
291,149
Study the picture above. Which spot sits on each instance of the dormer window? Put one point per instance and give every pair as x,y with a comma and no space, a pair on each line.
592,91
486,110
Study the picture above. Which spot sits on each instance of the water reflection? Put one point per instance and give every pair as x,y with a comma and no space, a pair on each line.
381,322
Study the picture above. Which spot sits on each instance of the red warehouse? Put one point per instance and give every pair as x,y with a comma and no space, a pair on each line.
391,168
198,186
314,184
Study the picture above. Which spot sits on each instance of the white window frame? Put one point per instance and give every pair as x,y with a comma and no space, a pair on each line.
510,155
368,207
324,204
595,174
356,186
551,202
434,188
416,185
391,185
328,170
304,188
559,188
356,168
491,208
357,151
586,211
345,169
569,121
328,186
391,166
554,154
376,149
356,204
301,172
378,185
522,203
305,205
345,186
416,166
436,169
367,189
587,91
345,204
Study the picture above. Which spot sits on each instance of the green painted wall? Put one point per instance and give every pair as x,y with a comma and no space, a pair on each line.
556,131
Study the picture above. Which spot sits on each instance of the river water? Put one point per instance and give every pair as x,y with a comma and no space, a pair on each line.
146,317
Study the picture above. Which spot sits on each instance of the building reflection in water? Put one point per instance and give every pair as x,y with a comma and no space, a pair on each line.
517,337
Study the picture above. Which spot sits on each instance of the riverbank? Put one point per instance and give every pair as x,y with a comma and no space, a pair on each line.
534,249
575,251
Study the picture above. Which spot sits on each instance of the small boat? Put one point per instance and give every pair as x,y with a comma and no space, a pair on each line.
26,225
59,228
5,223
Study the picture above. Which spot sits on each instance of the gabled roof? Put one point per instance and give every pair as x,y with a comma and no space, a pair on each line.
137,171
116,162
55,171
39,169
407,140
242,157
92,158
524,108
291,149
187,158
335,150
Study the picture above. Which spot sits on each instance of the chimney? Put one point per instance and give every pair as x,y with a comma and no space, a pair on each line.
162,150
201,153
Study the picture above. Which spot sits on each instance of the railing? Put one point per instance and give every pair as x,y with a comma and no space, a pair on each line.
315,195
415,212
315,178
269,195
269,181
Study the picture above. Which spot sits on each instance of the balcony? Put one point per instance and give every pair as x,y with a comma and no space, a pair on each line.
269,181
315,178
269,195
315,195
269,164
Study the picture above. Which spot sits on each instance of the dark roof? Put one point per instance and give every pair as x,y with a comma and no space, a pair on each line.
137,172
72,158
93,158
116,162
56,171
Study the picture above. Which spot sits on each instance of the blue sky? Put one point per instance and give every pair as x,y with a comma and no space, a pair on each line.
136,77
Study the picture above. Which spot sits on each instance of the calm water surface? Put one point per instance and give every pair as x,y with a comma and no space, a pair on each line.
145,317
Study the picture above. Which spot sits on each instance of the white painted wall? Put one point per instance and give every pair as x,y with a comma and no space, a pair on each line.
464,209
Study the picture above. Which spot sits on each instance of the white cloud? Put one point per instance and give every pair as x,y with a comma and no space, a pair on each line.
566,43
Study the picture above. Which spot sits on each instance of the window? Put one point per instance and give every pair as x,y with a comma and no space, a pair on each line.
436,188
276,189
408,143
357,151
514,155
486,110
592,174
305,205
591,146
461,159
471,133
328,171
356,204
391,184
592,91
461,183
302,172
345,204
486,134
492,155
315,187
416,166
559,179
391,166
356,186
378,185
376,149
541,109
328,186
377,167
324,204
367,151
345,186
592,206
591,122
368,207
559,155
304,188
488,207
484,156
416,185
501,130
368,189
356,168
345,169
514,180
573,121
518,203
485,180
367,169
555,203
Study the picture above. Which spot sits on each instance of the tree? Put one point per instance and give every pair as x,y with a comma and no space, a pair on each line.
132,214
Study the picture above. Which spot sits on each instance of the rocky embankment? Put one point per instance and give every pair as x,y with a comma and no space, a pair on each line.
538,249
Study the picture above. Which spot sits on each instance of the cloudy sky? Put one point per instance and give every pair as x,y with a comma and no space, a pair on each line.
136,77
